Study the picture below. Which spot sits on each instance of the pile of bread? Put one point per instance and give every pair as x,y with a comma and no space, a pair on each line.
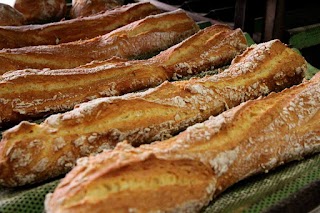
130,134
23,12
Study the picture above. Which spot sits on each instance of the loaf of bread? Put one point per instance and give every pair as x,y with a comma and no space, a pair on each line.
41,11
10,16
32,152
140,38
50,91
82,8
184,173
75,29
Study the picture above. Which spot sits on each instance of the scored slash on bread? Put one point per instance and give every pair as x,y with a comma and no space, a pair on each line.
184,173
28,94
32,152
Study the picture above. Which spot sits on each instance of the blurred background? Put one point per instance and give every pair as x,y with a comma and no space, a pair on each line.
295,23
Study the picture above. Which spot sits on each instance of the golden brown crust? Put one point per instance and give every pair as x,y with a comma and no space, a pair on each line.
251,138
75,29
82,8
41,11
185,180
212,47
144,117
10,16
143,37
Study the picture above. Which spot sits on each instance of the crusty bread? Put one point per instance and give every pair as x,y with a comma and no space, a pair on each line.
10,16
184,173
75,29
147,36
82,8
212,47
32,152
41,11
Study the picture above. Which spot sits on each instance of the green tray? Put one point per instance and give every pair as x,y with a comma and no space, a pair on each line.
303,37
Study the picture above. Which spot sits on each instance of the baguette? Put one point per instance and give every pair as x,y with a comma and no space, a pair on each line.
82,8
32,152
75,29
10,16
41,11
143,37
184,173
212,47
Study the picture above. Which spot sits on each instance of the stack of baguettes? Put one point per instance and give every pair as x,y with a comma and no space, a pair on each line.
75,29
32,152
130,41
184,173
214,46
